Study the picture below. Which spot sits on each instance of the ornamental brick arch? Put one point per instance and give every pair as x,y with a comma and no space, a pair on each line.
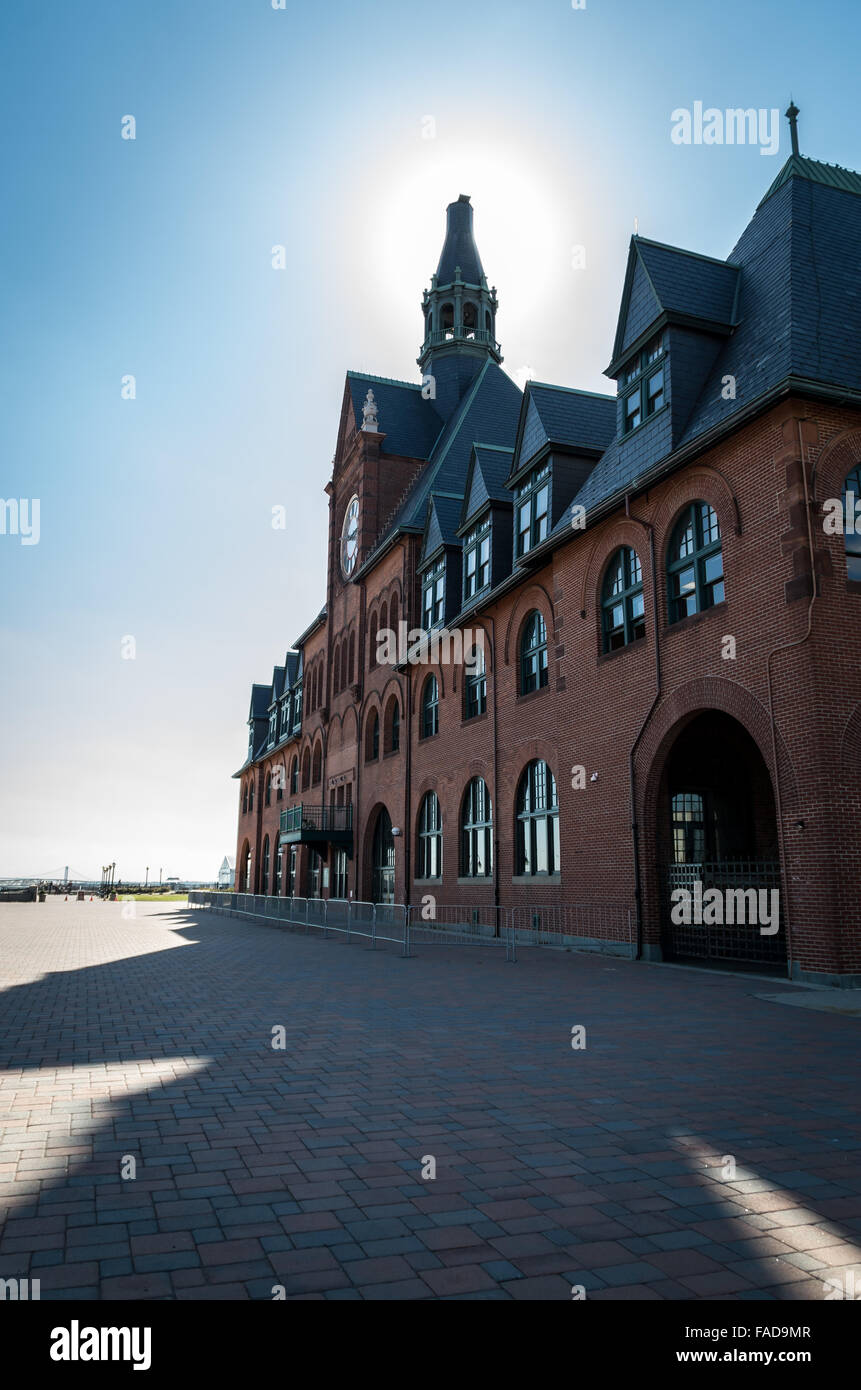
429,668
839,456
535,596
624,532
697,484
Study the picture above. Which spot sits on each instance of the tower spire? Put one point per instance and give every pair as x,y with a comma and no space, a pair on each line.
459,309
792,114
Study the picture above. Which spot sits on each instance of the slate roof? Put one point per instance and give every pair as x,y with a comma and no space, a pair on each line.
459,248
409,422
443,519
578,420
259,701
488,470
798,312
832,175
669,280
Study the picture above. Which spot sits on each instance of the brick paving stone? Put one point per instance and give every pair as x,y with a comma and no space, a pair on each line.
310,1177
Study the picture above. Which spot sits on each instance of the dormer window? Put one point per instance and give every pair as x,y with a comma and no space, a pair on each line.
476,559
532,509
433,595
273,724
644,386
285,717
297,709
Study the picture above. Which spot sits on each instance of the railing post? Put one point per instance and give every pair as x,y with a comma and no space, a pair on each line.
406,951
374,928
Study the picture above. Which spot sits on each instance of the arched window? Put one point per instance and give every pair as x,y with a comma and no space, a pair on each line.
352,662
475,685
267,799
447,320
392,739
264,873
393,615
343,674
695,562
469,319
306,769
372,737
623,613
317,766
336,668
384,617
294,777
372,641
280,782
476,831
244,798
533,654
246,878
251,795
430,708
852,534
537,822
429,847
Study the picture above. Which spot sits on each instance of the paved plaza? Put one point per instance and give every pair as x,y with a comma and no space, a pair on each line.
703,1143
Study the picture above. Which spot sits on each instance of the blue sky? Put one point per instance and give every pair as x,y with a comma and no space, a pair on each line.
305,127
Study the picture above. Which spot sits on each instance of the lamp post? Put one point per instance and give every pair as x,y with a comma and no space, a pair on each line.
146,880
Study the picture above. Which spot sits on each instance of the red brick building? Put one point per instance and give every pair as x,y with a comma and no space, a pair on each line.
671,692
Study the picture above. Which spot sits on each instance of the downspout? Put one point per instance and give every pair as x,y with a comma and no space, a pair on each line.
408,833
635,830
492,622
785,647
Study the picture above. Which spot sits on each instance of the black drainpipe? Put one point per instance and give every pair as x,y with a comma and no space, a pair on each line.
635,830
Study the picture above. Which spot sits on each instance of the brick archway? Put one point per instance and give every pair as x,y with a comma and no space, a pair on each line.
707,696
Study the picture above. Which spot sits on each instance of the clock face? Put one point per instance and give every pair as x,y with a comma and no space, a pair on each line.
350,538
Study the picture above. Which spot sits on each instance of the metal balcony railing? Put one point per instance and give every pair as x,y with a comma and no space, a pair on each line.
321,820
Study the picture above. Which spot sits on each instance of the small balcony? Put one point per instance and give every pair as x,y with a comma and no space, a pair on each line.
309,825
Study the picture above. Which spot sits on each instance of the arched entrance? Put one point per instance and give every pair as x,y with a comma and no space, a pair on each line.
718,848
244,869
383,860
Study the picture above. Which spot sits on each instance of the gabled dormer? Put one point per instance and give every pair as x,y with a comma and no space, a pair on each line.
258,720
276,691
561,435
439,568
678,308
485,521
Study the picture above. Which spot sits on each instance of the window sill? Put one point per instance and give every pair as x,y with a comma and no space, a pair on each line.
537,878
477,718
532,694
693,618
629,646
420,882
475,880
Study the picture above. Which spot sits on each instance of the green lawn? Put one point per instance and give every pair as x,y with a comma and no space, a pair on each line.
157,897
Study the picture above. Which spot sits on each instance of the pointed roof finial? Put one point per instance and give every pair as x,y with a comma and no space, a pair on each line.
792,115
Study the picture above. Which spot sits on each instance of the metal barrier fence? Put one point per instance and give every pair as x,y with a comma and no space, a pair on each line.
452,924
388,922
571,923
446,924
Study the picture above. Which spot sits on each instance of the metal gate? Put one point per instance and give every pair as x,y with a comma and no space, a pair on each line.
727,910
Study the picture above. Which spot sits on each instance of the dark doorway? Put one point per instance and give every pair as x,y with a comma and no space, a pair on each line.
383,860
718,831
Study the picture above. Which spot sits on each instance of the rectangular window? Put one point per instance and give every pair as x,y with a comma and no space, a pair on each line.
433,596
476,559
532,509
648,394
